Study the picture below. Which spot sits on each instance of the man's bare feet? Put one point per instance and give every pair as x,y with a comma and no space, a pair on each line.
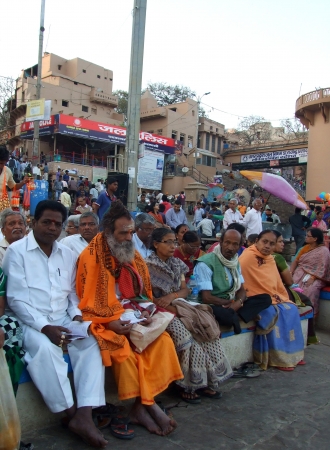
166,424
140,416
83,425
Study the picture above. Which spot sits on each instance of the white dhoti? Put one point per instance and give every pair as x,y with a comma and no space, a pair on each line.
49,371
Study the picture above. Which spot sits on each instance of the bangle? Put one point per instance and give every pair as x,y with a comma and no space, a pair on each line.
239,300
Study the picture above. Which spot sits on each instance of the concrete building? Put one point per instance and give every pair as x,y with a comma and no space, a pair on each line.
313,111
75,87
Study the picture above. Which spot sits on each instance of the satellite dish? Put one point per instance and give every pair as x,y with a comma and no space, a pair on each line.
185,169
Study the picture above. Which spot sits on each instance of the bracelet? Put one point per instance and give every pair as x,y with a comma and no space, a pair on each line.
239,300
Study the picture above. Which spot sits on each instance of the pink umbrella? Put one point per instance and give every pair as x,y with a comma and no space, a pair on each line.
277,186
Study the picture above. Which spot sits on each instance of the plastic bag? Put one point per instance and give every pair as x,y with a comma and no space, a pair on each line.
10,428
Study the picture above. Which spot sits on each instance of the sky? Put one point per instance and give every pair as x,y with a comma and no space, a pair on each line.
255,57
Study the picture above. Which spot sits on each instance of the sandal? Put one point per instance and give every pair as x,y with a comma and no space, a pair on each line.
108,410
245,372
193,400
301,363
204,393
285,369
312,340
100,421
119,429
251,365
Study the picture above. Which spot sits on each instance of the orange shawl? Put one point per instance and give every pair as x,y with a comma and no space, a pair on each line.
261,275
96,288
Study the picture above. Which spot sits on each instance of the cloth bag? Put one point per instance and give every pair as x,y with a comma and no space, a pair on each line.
141,336
4,199
10,428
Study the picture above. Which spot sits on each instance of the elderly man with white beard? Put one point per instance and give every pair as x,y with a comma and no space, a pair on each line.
110,272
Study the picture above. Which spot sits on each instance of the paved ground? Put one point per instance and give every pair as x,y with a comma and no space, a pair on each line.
275,411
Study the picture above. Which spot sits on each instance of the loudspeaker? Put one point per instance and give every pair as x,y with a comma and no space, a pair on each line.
122,185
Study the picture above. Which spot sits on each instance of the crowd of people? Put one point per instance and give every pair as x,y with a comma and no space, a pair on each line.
143,268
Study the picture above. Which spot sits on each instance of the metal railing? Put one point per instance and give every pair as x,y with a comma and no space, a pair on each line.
74,158
175,170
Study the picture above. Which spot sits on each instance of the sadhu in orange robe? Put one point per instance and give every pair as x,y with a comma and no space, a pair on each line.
143,374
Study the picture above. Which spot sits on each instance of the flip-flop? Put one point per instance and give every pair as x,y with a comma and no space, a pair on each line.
301,363
251,365
214,396
285,369
193,401
108,410
119,429
23,446
245,373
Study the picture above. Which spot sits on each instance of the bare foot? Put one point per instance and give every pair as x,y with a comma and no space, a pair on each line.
166,424
86,429
140,416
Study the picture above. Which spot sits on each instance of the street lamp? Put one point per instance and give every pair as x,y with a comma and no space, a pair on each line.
197,123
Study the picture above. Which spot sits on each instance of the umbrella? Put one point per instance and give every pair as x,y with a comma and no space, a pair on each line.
241,195
277,186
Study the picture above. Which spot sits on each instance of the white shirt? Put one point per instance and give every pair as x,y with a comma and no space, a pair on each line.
140,247
231,217
252,222
40,289
36,170
75,242
198,214
3,247
207,226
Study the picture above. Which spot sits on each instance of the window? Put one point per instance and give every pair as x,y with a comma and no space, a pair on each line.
190,141
84,71
84,108
59,67
55,102
110,79
65,103
213,144
105,78
71,114
207,142
198,161
94,110
76,83
150,131
216,130
183,138
98,76
193,113
208,161
160,131
174,134
173,109
211,128
219,146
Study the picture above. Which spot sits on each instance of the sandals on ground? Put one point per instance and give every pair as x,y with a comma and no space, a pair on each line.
203,392
119,428
246,372
190,397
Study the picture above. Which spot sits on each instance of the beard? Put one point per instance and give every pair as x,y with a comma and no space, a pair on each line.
124,252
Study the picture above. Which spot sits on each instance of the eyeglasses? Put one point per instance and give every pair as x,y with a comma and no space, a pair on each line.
70,226
194,247
169,242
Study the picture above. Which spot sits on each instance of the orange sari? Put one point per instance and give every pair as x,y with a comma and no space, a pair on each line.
137,375
157,217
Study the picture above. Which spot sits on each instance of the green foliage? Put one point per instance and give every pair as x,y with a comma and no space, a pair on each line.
165,94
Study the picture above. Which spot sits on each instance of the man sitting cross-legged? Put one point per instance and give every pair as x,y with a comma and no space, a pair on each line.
221,284
109,270
41,291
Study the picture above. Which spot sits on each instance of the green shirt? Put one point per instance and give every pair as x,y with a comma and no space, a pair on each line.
280,262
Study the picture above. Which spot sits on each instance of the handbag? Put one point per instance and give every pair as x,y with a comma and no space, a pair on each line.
4,199
141,336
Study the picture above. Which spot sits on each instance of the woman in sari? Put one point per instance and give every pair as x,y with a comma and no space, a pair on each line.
153,210
203,363
311,268
321,225
278,339
179,233
13,338
297,297
189,251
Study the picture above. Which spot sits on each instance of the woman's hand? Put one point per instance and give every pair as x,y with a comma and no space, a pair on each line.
147,316
164,302
120,326
310,281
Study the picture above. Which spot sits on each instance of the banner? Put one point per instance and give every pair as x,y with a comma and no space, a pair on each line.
45,127
271,156
35,110
150,170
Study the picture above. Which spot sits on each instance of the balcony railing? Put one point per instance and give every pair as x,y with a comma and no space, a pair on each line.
313,96
75,158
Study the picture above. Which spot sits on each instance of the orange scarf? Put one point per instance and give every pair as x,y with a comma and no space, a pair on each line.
261,275
97,274
157,217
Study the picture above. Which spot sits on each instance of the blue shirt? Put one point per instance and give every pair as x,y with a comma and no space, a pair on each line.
104,203
140,247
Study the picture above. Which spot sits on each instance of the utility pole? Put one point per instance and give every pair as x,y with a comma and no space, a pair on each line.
38,87
134,98
196,143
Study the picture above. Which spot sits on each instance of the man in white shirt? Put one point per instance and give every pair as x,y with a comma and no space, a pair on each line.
36,171
252,219
41,290
206,226
88,229
232,215
65,199
13,228
198,214
144,226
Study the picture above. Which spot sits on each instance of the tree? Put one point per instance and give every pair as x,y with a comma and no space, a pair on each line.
293,129
165,94
253,130
7,89
122,102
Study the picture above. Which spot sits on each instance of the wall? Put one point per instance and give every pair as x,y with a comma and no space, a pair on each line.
173,185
